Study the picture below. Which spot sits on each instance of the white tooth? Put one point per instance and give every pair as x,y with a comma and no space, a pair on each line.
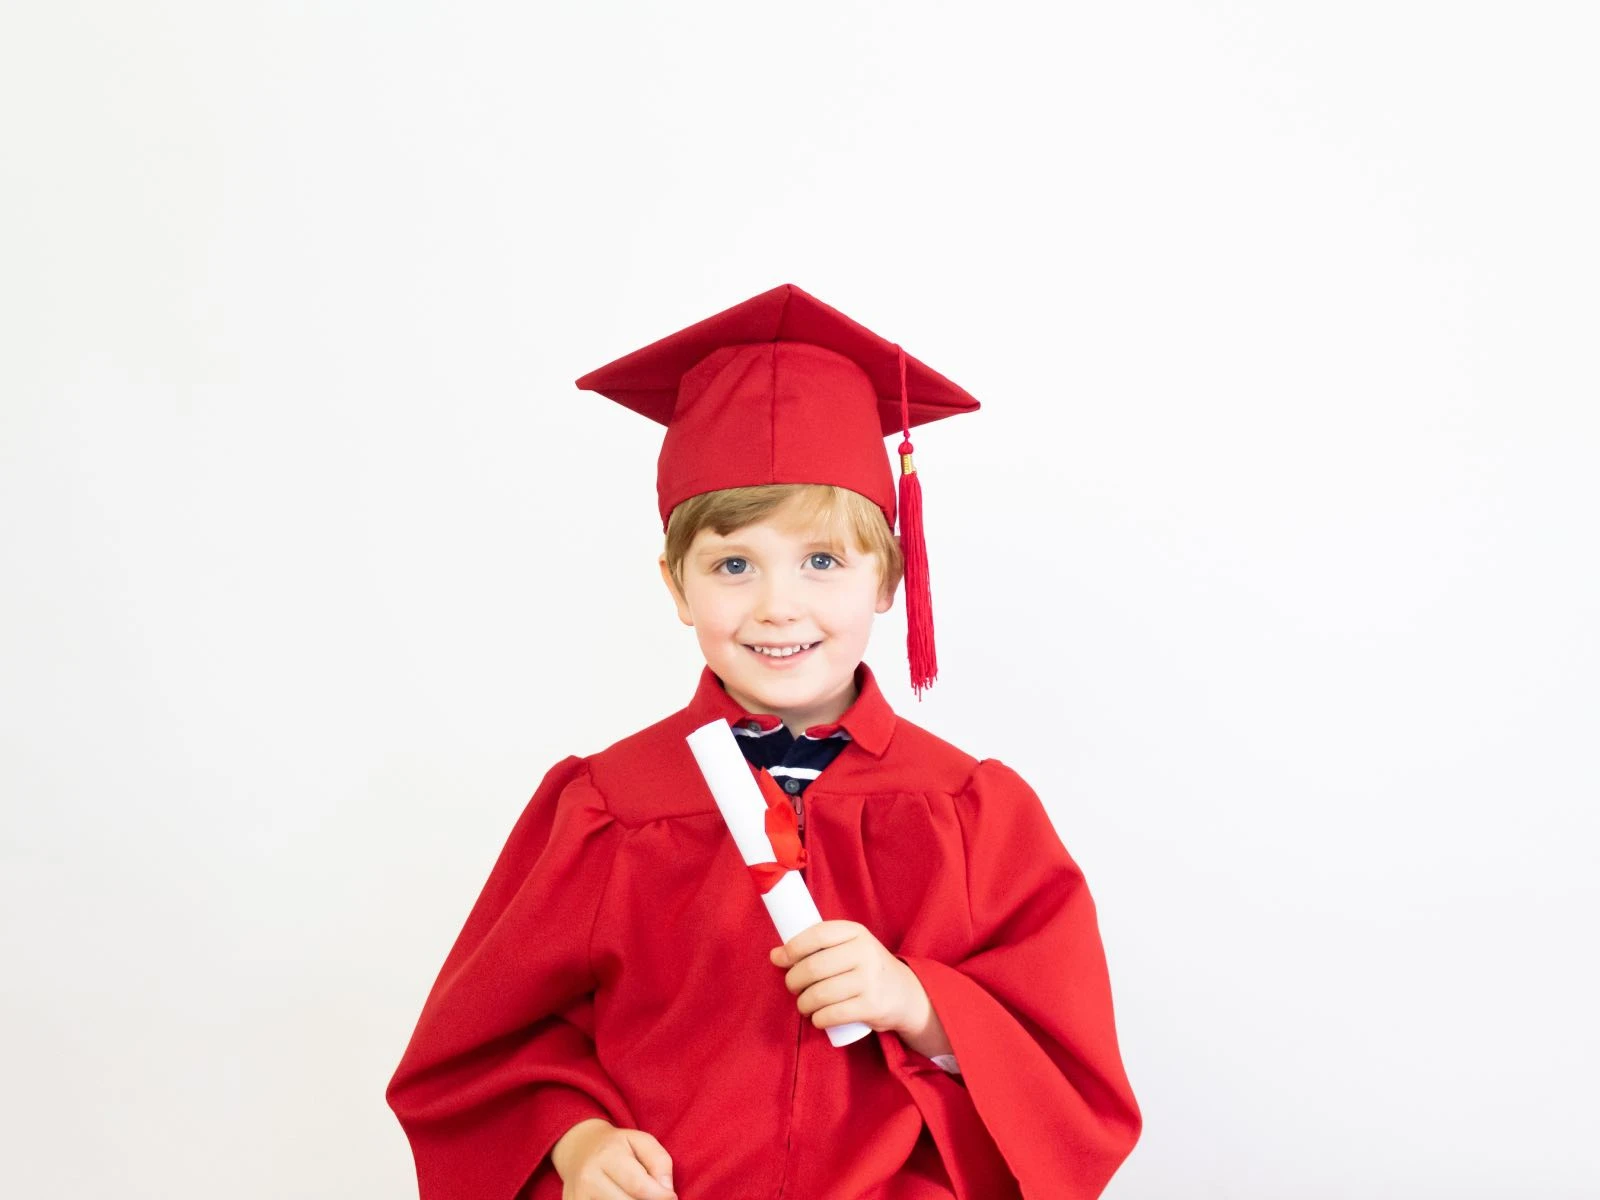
772,652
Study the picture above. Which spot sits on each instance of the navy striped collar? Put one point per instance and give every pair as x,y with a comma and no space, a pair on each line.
869,721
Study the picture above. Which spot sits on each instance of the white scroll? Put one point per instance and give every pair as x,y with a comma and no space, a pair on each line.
744,808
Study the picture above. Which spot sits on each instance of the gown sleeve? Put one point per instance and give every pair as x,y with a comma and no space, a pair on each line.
1028,1011
502,1061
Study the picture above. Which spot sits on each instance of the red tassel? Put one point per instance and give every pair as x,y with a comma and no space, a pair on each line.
919,597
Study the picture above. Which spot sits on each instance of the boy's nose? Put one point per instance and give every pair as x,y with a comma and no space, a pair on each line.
778,603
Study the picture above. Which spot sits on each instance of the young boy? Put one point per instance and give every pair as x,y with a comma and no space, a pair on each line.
614,1019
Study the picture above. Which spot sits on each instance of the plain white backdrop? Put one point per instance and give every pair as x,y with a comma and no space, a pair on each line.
1269,561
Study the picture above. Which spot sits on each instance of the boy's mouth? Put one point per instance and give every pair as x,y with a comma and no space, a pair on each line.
784,653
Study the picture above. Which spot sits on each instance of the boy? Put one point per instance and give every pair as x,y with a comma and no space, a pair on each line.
614,1020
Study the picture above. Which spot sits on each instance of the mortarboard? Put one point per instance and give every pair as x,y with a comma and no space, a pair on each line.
784,389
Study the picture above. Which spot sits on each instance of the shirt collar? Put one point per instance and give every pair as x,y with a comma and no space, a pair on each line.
869,721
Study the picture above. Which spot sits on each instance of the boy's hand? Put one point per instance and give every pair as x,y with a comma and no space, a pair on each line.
842,973
595,1159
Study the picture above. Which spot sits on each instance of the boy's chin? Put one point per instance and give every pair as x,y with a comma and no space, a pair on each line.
801,685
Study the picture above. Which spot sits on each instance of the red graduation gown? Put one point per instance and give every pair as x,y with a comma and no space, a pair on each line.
616,965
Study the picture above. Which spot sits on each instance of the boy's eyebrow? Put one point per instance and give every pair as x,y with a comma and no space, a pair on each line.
740,548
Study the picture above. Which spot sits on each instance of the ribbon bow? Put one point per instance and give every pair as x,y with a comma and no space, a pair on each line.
783,831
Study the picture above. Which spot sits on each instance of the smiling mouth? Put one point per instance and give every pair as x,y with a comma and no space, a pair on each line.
779,653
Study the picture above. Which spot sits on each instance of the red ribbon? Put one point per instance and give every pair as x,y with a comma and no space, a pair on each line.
783,831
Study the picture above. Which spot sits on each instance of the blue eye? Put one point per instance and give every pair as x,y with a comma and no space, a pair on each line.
735,566
828,561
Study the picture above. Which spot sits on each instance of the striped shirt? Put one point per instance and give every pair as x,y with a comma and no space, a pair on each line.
793,761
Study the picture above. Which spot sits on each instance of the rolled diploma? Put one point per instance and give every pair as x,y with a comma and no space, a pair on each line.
744,808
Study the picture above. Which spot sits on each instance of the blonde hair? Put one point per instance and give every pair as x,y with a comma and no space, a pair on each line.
847,517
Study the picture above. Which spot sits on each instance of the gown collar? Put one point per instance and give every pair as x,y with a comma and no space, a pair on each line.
869,721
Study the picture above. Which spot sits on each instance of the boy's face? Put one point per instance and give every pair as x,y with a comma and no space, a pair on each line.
774,586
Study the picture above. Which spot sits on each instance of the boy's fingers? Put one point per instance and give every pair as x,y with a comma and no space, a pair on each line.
636,1184
604,1188
651,1174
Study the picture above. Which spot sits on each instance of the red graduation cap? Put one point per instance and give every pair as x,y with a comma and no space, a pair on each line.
784,389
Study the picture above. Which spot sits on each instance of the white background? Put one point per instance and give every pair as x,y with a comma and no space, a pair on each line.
1269,561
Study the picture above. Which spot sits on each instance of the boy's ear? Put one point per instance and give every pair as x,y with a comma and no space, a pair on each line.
677,596
886,594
